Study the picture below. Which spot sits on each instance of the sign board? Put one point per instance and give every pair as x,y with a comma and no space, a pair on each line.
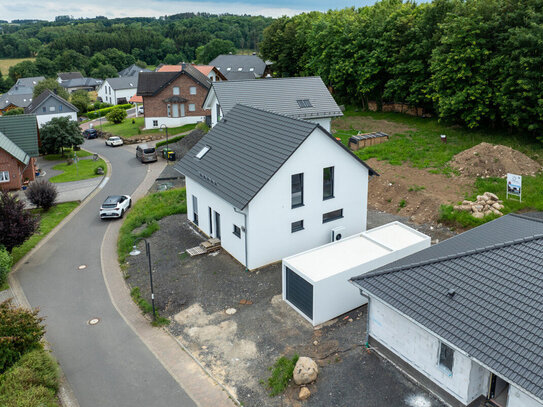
514,186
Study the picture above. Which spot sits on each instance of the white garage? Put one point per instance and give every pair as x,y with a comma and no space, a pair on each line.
316,282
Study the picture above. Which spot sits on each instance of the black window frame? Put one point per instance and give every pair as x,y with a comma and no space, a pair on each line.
300,191
332,216
297,226
327,184
237,231
446,357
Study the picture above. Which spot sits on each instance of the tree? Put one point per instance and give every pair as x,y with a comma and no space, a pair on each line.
15,111
16,223
81,100
116,115
60,133
104,72
42,193
23,69
53,86
213,49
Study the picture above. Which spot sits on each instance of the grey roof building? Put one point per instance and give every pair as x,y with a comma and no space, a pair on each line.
25,86
128,82
17,100
239,76
22,130
65,76
43,98
239,63
81,83
479,291
133,70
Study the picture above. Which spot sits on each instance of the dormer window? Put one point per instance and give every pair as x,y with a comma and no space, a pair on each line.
303,103
203,152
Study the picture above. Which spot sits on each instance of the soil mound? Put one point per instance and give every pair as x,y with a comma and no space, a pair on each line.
488,160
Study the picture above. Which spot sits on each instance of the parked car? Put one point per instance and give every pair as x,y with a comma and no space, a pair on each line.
145,153
140,109
115,206
114,141
90,134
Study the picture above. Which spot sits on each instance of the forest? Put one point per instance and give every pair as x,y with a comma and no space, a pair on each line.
474,62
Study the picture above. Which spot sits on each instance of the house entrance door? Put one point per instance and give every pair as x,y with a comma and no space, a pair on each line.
498,392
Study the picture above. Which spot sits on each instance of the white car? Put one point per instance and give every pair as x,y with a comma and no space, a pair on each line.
140,110
114,141
115,206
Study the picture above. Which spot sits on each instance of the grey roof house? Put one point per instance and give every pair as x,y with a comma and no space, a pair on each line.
118,90
87,84
66,76
49,105
132,70
239,63
465,316
254,163
305,98
8,101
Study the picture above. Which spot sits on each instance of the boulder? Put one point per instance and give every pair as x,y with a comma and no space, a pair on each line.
304,393
305,371
478,215
477,208
492,196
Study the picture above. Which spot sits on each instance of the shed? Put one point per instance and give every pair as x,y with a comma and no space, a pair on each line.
316,282
364,140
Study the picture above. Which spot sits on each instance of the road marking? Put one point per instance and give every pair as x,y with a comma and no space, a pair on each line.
103,183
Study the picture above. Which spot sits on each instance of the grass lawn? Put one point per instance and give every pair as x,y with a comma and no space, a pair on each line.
48,220
83,170
67,153
5,64
129,129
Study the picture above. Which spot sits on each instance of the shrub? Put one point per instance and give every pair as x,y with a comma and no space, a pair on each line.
13,112
202,126
42,193
99,170
102,112
16,223
5,265
116,115
170,141
281,374
20,332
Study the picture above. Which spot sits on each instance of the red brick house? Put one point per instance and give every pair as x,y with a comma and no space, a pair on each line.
173,98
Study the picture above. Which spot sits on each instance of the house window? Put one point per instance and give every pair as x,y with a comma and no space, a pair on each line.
169,110
446,357
51,108
237,231
60,108
328,183
297,226
155,123
195,210
218,113
176,90
182,110
193,90
4,176
44,109
330,216
192,107
297,197
203,152
304,103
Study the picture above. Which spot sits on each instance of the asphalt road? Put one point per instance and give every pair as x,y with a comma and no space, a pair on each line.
106,364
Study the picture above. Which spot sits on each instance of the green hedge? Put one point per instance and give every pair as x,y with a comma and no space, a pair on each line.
5,265
103,112
170,140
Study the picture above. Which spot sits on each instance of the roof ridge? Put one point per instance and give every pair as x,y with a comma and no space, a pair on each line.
525,217
450,257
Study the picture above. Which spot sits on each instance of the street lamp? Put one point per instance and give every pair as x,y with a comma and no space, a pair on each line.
166,127
135,252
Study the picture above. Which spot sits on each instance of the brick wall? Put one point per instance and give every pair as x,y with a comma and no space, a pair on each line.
15,168
154,106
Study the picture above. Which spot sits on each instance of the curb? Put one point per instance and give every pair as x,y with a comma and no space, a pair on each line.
199,384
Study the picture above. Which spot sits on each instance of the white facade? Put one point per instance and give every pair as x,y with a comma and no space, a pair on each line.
46,118
112,96
328,268
156,122
270,215
420,348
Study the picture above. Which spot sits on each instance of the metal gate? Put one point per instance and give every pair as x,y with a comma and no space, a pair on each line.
299,293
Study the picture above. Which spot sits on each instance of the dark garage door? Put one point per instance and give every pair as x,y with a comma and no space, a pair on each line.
300,293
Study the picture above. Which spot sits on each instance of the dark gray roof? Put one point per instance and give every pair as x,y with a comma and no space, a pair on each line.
44,96
13,149
29,82
64,76
128,82
81,83
496,313
245,62
133,70
22,129
16,100
279,95
150,83
247,148
239,75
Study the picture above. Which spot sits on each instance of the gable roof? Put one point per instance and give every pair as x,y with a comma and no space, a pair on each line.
239,75
16,100
22,129
234,62
127,82
170,68
81,82
133,70
27,83
64,76
206,69
151,83
278,95
43,97
12,149
247,148
496,313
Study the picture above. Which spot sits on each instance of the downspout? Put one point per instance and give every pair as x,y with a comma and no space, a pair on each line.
245,230
367,323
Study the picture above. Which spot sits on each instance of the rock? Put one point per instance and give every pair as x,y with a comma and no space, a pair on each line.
315,343
477,208
231,311
478,215
304,393
496,212
492,196
305,371
487,212
466,202
497,206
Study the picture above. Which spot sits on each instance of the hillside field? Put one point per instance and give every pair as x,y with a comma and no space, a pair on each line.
5,64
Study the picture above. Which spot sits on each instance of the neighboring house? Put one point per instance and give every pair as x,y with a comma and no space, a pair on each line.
465,316
18,149
118,90
211,72
269,186
240,63
304,98
132,70
87,84
173,98
8,102
66,76
239,76
49,105
25,86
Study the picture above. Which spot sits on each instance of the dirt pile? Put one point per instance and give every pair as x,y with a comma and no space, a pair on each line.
487,160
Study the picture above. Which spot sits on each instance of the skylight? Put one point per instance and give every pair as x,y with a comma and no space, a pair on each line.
239,69
304,103
203,152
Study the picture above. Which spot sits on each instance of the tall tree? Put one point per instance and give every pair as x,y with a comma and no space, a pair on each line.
213,49
53,86
60,133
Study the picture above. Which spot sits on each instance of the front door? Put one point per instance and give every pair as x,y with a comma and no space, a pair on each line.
498,391
218,225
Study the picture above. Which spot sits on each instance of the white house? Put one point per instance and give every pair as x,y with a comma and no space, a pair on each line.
49,105
305,98
269,186
118,90
465,317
